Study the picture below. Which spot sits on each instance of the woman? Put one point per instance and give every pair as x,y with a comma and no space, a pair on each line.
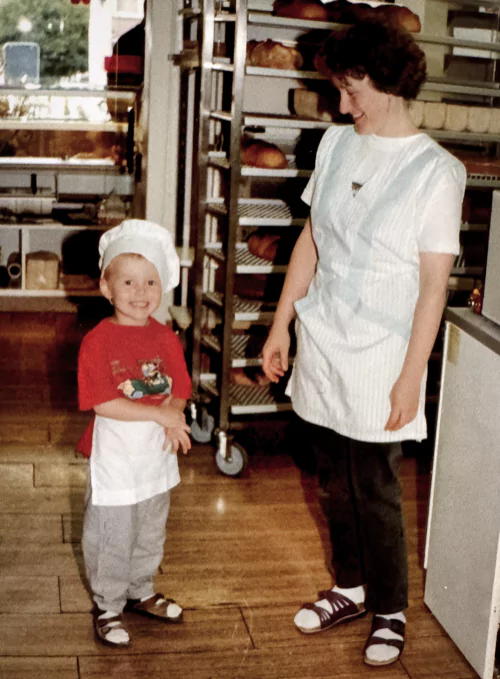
368,280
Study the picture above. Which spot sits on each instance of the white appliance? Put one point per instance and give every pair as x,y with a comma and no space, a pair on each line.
491,298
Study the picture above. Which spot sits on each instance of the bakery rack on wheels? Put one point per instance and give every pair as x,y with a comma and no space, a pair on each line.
225,323
223,207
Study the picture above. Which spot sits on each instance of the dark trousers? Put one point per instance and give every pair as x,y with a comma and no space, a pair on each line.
363,496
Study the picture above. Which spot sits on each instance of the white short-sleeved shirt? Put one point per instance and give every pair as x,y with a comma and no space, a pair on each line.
376,203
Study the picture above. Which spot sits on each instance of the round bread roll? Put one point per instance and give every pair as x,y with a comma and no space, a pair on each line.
434,115
494,127
456,118
313,10
271,54
258,153
478,119
417,112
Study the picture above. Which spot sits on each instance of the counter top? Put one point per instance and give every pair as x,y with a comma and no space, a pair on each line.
478,327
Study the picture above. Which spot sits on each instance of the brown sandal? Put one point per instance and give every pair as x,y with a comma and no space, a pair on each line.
154,607
103,627
344,609
396,626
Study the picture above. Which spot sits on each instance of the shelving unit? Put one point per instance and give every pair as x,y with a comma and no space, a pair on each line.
227,203
46,202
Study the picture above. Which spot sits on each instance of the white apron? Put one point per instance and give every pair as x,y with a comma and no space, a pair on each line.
127,464
354,324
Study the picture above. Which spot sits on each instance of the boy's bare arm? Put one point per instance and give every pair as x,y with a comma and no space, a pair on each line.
177,436
125,410
177,403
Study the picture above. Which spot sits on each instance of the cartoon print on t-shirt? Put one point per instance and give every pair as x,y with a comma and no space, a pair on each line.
154,382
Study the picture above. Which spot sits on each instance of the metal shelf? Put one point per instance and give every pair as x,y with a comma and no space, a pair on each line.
239,345
25,292
125,94
61,125
219,66
483,180
258,212
270,212
474,227
246,262
446,135
220,161
253,119
267,19
275,120
94,165
467,271
457,87
296,74
249,400
248,310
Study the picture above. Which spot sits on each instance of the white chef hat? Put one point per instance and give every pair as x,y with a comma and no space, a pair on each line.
140,237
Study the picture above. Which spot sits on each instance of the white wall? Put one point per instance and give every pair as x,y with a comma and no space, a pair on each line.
160,117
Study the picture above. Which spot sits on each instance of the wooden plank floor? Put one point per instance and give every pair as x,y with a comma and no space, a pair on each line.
241,555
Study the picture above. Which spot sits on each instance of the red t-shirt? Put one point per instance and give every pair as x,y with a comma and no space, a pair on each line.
145,363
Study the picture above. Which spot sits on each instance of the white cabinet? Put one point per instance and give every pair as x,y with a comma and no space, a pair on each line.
463,550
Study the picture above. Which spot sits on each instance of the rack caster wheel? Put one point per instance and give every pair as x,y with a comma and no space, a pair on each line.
202,430
235,463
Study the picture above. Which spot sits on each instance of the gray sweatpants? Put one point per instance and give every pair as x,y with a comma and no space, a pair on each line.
123,548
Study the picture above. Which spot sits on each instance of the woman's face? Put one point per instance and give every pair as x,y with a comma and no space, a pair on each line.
368,107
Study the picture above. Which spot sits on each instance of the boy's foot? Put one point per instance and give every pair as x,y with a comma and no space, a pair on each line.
386,641
334,607
109,628
156,606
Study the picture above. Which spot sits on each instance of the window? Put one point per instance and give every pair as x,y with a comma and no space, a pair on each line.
131,8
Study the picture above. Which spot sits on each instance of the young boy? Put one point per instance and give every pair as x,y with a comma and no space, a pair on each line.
132,373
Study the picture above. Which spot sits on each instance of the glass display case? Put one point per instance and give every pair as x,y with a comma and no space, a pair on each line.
70,83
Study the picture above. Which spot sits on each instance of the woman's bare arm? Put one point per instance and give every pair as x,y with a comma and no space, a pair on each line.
435,270
299,275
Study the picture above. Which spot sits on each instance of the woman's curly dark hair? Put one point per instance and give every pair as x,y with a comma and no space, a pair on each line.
388,55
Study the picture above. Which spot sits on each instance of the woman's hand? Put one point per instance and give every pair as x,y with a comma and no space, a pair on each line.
404,397
178,438
275,354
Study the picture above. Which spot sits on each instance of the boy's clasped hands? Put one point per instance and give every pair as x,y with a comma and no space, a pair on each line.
171,416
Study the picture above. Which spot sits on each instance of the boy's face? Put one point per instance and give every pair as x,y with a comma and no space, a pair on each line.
133,286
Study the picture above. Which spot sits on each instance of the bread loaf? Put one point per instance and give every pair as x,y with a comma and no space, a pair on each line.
265,246
271,54
313,10
342,11
250,47
309,104
397,15
258,153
